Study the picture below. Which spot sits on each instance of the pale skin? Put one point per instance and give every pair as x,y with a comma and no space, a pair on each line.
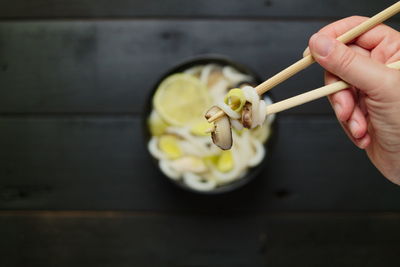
369,112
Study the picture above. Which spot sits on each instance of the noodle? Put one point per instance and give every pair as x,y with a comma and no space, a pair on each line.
259,155
237,125
194,70
205,73
258,106
154,150
196,182
168,170
201,144
270,118
234,76
228,110
218,90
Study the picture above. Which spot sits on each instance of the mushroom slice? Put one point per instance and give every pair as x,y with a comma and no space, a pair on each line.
222,132
246,115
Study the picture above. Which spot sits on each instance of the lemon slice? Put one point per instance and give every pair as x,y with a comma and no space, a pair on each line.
180,99
169,145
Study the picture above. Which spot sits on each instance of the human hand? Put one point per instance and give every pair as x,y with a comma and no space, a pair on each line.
369,112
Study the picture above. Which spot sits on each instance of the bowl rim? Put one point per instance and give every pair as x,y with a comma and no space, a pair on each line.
252,172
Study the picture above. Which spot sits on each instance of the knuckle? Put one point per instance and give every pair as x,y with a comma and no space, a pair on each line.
355,17
392,80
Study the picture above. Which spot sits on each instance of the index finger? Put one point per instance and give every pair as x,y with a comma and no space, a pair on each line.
342,26
368,40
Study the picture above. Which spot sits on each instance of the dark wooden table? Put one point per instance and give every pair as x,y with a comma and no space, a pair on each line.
77,186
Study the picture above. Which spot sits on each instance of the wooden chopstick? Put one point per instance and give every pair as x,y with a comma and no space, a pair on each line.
314,94
308,60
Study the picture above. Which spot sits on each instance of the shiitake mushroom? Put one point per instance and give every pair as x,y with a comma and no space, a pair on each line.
247,115
222,132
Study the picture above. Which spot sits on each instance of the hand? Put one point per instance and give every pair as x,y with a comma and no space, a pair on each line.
369,111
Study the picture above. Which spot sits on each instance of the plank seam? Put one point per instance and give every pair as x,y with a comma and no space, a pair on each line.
178,18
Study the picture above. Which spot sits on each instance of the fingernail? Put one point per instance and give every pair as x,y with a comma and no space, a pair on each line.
353,126
322,45
338,109
363,143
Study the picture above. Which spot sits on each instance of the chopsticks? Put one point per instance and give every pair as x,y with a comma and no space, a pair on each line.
308,60
314,94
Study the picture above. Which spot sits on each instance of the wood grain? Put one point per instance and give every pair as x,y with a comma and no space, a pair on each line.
127,239
196,8
97,163
111,66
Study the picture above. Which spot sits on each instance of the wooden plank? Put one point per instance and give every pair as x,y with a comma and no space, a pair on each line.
126,239
195,8
111,66
101,163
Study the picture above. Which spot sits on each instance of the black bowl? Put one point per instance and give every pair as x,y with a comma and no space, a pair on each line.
202,60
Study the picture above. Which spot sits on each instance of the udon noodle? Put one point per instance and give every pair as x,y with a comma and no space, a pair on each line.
200,164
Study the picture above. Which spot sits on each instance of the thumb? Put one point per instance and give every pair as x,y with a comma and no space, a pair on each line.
374,78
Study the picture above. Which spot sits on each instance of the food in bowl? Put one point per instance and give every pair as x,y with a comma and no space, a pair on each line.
180,136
